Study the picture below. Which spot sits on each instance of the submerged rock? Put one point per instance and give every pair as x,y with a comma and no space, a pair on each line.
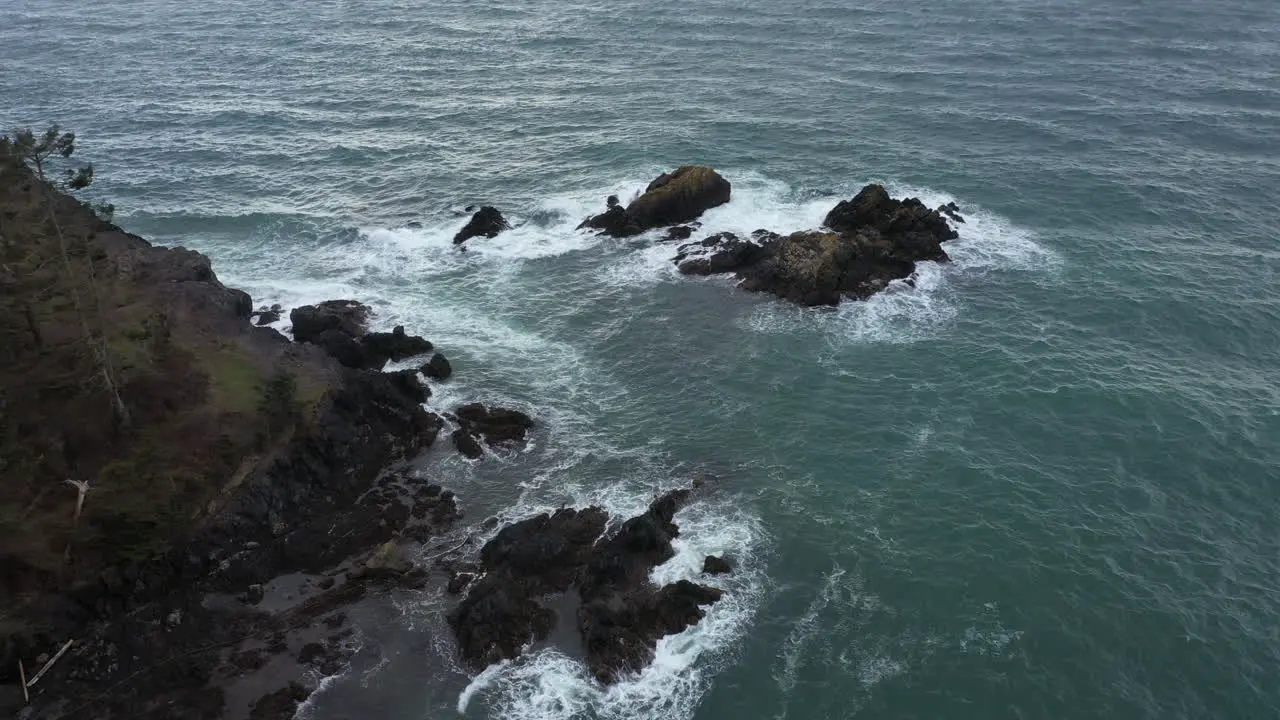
486,222
872,240
622,615
672,198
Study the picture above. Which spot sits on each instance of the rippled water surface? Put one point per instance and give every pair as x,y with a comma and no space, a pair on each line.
1040,483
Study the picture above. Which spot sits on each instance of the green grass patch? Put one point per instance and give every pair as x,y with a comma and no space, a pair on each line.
235,382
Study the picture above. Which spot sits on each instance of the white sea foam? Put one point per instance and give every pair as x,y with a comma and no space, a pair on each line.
803,632
323,683
417,277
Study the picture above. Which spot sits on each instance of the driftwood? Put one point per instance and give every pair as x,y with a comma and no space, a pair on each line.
49,664
22,673
83,487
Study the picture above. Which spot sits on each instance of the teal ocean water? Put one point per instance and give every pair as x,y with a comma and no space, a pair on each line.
1043,482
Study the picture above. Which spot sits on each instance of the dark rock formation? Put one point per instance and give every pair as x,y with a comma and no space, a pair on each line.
805,268
468,444
408,383
495,426
343,348
952,211
395,345
438,368
525,561
486,222
622,614
338,326
720,253
874,239
672,198
679,232
715,565
615,222
347,316
266,315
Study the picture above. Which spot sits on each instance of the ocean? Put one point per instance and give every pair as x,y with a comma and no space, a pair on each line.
1041,481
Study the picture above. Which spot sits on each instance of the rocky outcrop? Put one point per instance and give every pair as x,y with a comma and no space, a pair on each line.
395,345
622,614
438,367
496,426
721,253
872,240
338,326
266,315
486,222
346,316
716,565
525,561
672,198
680,232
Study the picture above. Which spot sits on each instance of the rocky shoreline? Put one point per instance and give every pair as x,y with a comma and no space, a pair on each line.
228,612
246,603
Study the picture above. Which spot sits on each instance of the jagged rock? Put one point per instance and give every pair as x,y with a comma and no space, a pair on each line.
672,198
910,227
496,620
679,232
547,550
467,444
428,424
720,253
615,221
243,303
395,345
806,268
495,425
346,316
438,368
486,222
343,348
952,211
267,315
873,240
619,632
622,615
715,565
407,382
